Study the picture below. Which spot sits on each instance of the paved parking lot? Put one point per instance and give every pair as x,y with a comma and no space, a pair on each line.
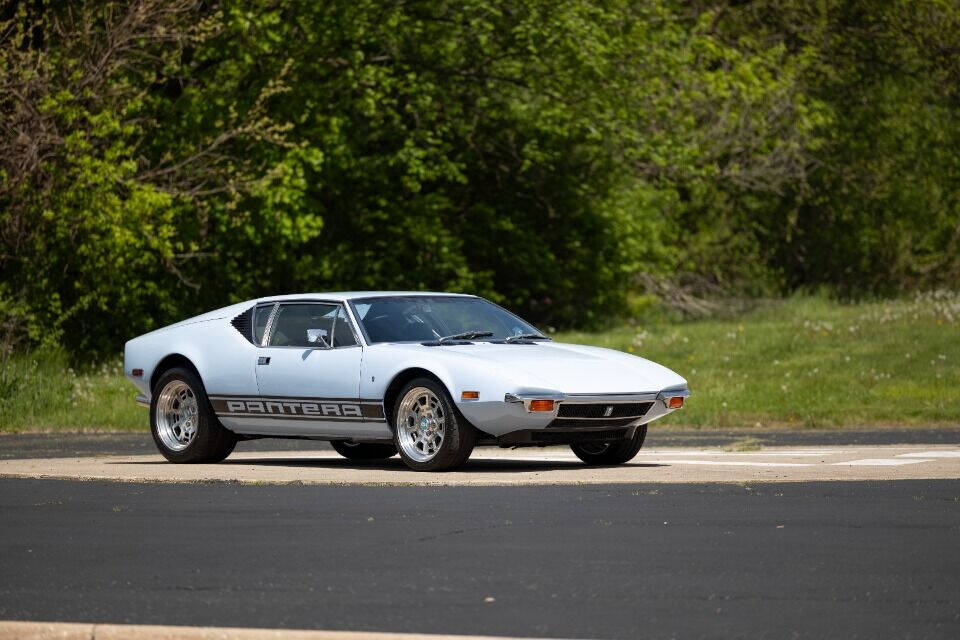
691,541
817,559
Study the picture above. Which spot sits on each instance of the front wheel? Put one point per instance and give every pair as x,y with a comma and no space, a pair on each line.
363,450
182,421
610,453
429,432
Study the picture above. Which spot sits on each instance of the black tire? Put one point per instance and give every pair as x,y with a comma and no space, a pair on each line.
459,435
611,453
364,450
211,442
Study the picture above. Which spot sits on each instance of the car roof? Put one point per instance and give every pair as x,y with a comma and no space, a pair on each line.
353,295
333,296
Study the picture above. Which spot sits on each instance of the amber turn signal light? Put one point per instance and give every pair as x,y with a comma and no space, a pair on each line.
541,405
470,395
675,402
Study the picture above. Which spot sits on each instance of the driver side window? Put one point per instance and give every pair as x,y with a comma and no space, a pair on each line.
342,333
303,325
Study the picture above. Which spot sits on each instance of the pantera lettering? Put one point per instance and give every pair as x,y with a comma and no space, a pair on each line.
294,408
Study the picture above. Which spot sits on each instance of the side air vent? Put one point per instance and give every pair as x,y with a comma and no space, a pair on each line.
244,324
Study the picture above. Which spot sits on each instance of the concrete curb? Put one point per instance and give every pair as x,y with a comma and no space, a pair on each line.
18,630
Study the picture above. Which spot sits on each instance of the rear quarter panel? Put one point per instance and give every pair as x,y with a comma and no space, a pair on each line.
224,359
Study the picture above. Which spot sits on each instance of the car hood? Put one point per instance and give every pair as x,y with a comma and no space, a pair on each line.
567,368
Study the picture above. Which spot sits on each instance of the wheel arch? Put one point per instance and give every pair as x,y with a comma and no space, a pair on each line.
169,362
392,392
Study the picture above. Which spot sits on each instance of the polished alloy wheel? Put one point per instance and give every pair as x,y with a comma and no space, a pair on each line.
420,424
177,415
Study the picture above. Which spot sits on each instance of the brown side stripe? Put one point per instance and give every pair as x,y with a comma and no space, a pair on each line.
299,408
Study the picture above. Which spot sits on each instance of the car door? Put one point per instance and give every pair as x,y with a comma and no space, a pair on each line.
308,373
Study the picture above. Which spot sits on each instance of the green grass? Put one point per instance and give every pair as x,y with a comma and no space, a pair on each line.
803,362
810,362
41,392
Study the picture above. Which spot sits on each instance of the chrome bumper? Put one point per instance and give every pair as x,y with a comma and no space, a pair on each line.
142,400
585,398
673,392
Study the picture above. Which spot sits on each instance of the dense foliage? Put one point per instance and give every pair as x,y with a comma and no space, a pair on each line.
162,157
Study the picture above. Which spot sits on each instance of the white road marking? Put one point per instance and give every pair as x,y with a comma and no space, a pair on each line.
880,462
931,454
729,458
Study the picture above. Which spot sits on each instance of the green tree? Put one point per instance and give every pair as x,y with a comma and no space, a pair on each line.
162,157
879,211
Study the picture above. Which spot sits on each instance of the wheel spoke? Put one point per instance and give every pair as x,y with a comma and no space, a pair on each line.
177,415
420,424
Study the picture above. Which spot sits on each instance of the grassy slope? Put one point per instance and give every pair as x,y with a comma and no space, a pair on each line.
803,363
41,392
811,363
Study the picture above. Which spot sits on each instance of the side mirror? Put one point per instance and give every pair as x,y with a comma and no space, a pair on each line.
318,337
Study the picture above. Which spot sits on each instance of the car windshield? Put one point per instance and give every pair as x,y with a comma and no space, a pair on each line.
429,318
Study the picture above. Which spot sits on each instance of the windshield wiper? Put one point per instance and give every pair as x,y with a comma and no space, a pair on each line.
526,336
466,335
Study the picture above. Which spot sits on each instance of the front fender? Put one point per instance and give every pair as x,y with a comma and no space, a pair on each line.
383,363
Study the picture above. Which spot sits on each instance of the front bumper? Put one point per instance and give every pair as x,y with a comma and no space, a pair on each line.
571,412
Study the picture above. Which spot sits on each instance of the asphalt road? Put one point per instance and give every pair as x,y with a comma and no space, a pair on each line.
53,445
830,559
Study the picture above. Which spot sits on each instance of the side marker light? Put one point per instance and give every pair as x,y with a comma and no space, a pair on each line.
541,405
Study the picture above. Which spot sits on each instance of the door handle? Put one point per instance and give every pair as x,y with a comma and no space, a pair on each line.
263,360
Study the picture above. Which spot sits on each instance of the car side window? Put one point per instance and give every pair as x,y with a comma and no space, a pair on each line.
260,322
342,333
303,325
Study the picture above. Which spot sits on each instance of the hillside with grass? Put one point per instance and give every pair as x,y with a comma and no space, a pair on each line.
810,362
801,363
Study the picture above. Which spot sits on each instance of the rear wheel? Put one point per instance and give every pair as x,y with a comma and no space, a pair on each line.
364,450
182,421
429,432
609,453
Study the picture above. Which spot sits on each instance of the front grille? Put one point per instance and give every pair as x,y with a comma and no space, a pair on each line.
599,410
